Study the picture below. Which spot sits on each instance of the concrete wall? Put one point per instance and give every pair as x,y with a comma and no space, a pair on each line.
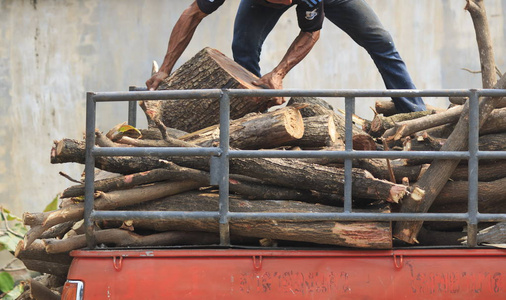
53,51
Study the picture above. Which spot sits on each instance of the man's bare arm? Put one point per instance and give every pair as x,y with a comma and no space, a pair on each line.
300,47
180,37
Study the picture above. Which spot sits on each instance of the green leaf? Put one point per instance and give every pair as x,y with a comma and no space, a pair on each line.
125,128
6,282
9,216
14,294
9,242
53,205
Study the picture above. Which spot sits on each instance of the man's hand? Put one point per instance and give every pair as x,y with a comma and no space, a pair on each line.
272,80
155,80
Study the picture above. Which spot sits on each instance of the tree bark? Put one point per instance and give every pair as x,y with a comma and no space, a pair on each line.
36,258
255,131
488,142
350,234
438,173
208,69
380,123
387,108
495,123
41,292
319,131
124,238
171,173
43,221
296,174
284,172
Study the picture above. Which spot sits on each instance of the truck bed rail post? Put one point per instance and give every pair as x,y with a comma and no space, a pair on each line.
349,107
472,210
89,169
132,111
224,168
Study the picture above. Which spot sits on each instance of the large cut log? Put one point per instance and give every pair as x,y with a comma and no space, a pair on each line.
349,234
293,173
319,131
439,171
317,107
255,131
208,69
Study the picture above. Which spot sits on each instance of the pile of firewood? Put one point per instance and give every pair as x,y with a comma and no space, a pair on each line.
264,184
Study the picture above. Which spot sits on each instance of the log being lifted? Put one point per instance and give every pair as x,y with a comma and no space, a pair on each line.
208,69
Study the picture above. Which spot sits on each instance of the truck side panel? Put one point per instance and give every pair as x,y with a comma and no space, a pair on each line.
294,274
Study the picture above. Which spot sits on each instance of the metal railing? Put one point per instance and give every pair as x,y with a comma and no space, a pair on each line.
219,158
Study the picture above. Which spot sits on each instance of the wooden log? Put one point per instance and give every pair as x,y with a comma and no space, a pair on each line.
487,171
381,123
41,292
317,106
438,173
488,142
171,173
493,235
350,234
57,231
43,221
387,108
69,150
208,69
36,258
319,131
462,100
495,123
313,106
454,197
379,169
284,172
252,189
255,131
293,173
124,238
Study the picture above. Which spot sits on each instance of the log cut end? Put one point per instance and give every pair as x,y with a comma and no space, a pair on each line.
294,124
397,192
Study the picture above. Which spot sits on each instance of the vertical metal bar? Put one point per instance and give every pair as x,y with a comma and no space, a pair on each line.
132,111
472,224
224,168
89,169
349,105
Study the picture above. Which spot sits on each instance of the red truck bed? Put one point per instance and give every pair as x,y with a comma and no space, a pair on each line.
291,274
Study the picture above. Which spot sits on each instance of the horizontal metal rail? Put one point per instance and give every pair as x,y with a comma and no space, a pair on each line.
220,157
306,217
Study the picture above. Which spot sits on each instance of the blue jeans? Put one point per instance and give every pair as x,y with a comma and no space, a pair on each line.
254,22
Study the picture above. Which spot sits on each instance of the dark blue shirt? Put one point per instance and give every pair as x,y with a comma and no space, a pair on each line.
310,13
